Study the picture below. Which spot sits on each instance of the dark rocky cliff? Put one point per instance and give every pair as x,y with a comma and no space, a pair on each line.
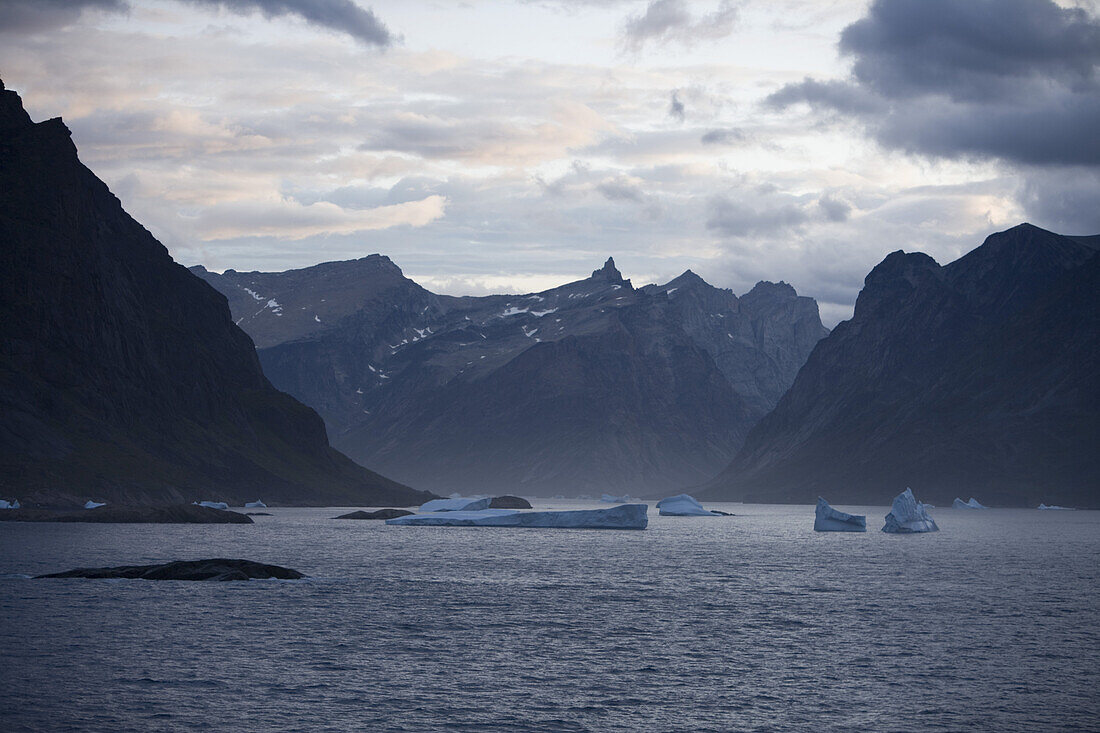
122,375
976,378
589,387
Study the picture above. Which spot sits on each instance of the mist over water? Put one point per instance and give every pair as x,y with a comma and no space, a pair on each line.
745,622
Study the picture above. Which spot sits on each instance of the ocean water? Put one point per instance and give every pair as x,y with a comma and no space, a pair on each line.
751,622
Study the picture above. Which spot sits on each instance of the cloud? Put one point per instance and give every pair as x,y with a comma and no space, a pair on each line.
667,21
1010,80
734,218
729,136
676,107
834,208
343,16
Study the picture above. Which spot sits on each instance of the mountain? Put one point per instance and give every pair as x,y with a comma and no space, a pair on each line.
123,377
975,378
589,387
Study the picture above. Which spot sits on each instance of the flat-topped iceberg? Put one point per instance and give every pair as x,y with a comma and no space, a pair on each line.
609,499
627,516
907,515
455,505
212,504
827,519
1041,506
683,505
94,504
255,505
972,504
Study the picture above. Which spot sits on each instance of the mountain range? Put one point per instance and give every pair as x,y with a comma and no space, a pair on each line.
123,378
979,377
589,387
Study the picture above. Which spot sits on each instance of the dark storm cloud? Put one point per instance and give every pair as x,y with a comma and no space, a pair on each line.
343,16
834,208
670,20
31,16
1017,80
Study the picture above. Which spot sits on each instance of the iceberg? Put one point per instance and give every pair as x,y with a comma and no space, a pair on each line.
255,505
212,504
455,505
94,504
827,519
627,516
609,499
907,515
972,504
1041,506
5,504
682,505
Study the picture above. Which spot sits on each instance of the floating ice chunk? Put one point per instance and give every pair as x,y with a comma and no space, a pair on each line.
5,504
682,505
212,504
972,504
93,504
907,515
456,505
255,505
827,519
1041,506
615,499
627,516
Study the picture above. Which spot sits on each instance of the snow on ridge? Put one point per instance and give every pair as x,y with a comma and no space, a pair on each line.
513,311
253,293
540,314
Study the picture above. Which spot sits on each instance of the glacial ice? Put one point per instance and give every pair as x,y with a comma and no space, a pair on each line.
212,504
255,505
1041,506
609,499
93,504
682,505
907,515
455,505
827,519
972,504
627,516
5,504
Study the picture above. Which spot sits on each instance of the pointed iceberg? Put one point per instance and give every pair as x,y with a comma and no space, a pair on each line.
827,519
627,516
682,505
456,505
907,515
5,504
94,504
972,504
255,505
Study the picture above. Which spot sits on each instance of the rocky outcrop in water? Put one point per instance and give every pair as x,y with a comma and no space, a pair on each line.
595,384
509,502
175,514
122,374
216,569
379,514
977,377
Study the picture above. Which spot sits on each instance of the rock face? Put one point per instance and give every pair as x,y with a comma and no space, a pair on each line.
908,516
976,376
122,375
509,502
594,385
827,519
176,514
627,516
683,505
217,569
380,514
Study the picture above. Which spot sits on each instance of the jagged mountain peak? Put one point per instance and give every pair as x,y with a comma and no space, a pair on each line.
773,289
609,272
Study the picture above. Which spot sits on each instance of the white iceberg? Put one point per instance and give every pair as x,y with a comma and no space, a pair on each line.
682,505
212,504
255,505
827,519
627,516
609,499
5,504
1041,506
907,515
456,505
94,504
972,504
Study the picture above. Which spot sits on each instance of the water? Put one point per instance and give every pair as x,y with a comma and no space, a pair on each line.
751,622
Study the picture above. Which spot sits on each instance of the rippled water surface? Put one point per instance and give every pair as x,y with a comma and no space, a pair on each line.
736,623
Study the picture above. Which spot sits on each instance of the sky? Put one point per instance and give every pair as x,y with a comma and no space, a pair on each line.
514,146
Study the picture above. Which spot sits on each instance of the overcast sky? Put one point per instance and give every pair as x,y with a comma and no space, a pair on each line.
512,146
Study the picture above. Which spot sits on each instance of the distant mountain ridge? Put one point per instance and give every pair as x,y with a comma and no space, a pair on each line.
590,386
123,378
978,378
